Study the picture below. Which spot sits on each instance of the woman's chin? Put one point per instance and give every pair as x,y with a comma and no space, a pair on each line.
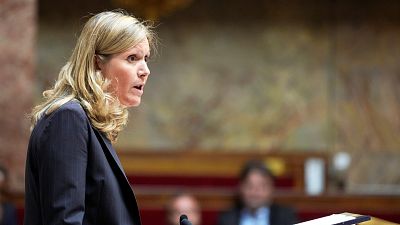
131,103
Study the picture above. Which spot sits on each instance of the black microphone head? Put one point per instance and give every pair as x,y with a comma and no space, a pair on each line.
183,220
183,217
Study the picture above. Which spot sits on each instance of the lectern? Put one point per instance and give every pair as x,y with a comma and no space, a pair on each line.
338,219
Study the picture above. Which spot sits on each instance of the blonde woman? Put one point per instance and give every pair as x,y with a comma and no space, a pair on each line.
73,175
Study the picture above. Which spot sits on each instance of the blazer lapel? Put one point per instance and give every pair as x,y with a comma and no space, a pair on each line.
115,163
273,219
111,150
236,217
110,153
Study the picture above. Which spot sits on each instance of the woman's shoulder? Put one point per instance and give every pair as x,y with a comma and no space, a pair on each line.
66,113
69,116
71,107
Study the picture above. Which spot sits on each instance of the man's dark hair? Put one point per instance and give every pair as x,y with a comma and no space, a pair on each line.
250,166
255,165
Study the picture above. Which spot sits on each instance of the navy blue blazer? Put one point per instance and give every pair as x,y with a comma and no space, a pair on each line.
278,215
73,175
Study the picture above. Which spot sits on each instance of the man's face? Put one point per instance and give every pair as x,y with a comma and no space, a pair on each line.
256,190
184,205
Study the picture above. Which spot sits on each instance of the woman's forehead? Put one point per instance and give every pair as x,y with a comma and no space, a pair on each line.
142,48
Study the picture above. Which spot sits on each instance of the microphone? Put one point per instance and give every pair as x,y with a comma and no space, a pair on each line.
183,220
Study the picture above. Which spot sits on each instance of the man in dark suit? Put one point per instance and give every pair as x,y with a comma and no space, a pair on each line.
8,212
254,205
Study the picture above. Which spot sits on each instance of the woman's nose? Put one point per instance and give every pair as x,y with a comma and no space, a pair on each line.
144,71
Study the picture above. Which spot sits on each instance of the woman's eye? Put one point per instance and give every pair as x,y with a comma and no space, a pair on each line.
131,58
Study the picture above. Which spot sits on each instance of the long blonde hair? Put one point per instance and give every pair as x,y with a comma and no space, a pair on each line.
104,34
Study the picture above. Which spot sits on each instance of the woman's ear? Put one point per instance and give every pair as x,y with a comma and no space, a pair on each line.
98,62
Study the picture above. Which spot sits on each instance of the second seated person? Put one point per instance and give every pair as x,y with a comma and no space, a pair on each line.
255,206
183,203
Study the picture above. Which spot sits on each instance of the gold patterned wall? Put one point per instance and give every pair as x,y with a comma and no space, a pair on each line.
152,9
287,75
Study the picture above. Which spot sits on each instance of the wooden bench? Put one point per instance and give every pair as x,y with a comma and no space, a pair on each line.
307,207
211,176
211,169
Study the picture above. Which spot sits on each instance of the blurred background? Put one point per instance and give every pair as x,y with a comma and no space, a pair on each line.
312,87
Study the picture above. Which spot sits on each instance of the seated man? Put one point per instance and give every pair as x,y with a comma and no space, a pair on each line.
183,203
8,212
255,206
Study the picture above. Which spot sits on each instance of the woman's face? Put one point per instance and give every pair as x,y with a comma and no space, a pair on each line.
128,73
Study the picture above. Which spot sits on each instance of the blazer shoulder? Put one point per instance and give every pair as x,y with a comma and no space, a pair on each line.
70,114
71,107
229,216
282,208
283,214
71,110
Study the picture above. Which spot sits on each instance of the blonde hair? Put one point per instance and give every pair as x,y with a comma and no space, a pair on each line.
103,35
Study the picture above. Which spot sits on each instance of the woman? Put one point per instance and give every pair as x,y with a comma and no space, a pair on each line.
73,175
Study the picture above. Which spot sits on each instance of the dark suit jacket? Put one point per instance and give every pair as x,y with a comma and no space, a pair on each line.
279,215
73,175
10,216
